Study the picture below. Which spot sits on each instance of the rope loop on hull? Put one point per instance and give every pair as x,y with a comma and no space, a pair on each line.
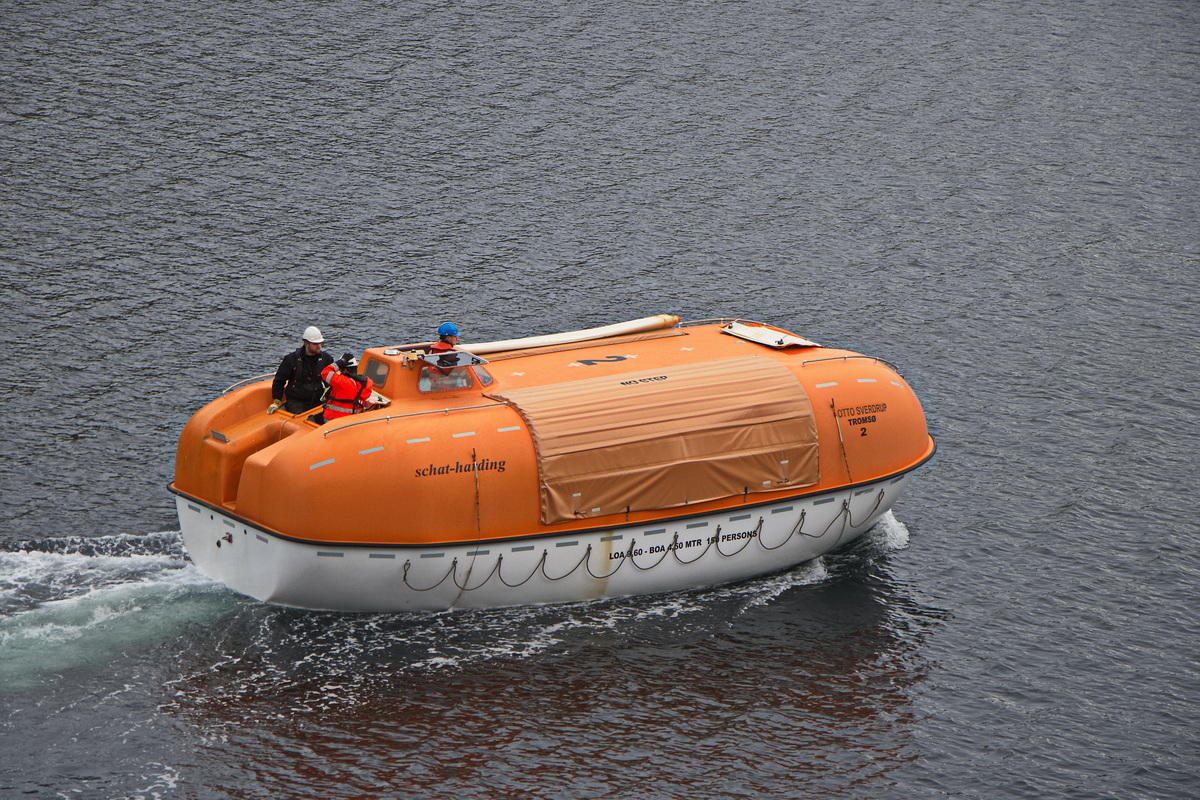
449,572
629,555
540,565
755,535
582,561
711,541
616,569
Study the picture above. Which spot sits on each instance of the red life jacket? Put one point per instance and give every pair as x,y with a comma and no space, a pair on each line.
346,395
435,378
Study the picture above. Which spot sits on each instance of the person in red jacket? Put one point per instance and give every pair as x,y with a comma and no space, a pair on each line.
349,392
446,374
447,338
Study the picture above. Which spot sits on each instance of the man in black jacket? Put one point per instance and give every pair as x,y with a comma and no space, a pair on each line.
299,375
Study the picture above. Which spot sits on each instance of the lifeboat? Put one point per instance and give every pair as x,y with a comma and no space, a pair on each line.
644,457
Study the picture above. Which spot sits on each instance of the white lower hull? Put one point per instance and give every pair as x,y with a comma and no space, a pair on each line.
683,553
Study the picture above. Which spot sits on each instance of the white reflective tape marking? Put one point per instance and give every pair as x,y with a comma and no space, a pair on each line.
370,450
506,430
324,463
867,380
417,441
461,435
826,385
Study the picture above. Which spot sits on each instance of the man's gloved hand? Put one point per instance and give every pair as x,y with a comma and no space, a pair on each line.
271,409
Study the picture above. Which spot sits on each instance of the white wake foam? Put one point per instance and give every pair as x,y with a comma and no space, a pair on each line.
889,533
61,609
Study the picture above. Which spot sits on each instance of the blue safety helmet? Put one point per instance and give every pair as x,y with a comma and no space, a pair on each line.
447,329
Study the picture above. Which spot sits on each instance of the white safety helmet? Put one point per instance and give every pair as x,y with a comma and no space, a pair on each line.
313,334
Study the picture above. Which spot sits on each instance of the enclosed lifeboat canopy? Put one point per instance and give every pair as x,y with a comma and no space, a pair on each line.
579,439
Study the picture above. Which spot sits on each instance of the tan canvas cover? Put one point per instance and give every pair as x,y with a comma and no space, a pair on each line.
669,437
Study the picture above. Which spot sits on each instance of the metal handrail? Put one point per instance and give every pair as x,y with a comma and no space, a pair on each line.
390,417
248,381
894,368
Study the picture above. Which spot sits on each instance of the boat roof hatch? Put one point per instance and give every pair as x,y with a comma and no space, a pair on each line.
762,334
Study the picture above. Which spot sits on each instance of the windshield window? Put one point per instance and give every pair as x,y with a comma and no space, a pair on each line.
444,379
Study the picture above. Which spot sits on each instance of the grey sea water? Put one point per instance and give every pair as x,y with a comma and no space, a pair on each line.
999,197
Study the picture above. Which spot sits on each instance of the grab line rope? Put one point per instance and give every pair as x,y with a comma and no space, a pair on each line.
536,567
587,553
620,561
711,540
408,563
749,539
463,586
845,515
629,554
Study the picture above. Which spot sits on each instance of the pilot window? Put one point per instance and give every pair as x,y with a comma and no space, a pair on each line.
443,379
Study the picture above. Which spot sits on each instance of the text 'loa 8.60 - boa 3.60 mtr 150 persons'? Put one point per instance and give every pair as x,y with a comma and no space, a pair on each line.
648,456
